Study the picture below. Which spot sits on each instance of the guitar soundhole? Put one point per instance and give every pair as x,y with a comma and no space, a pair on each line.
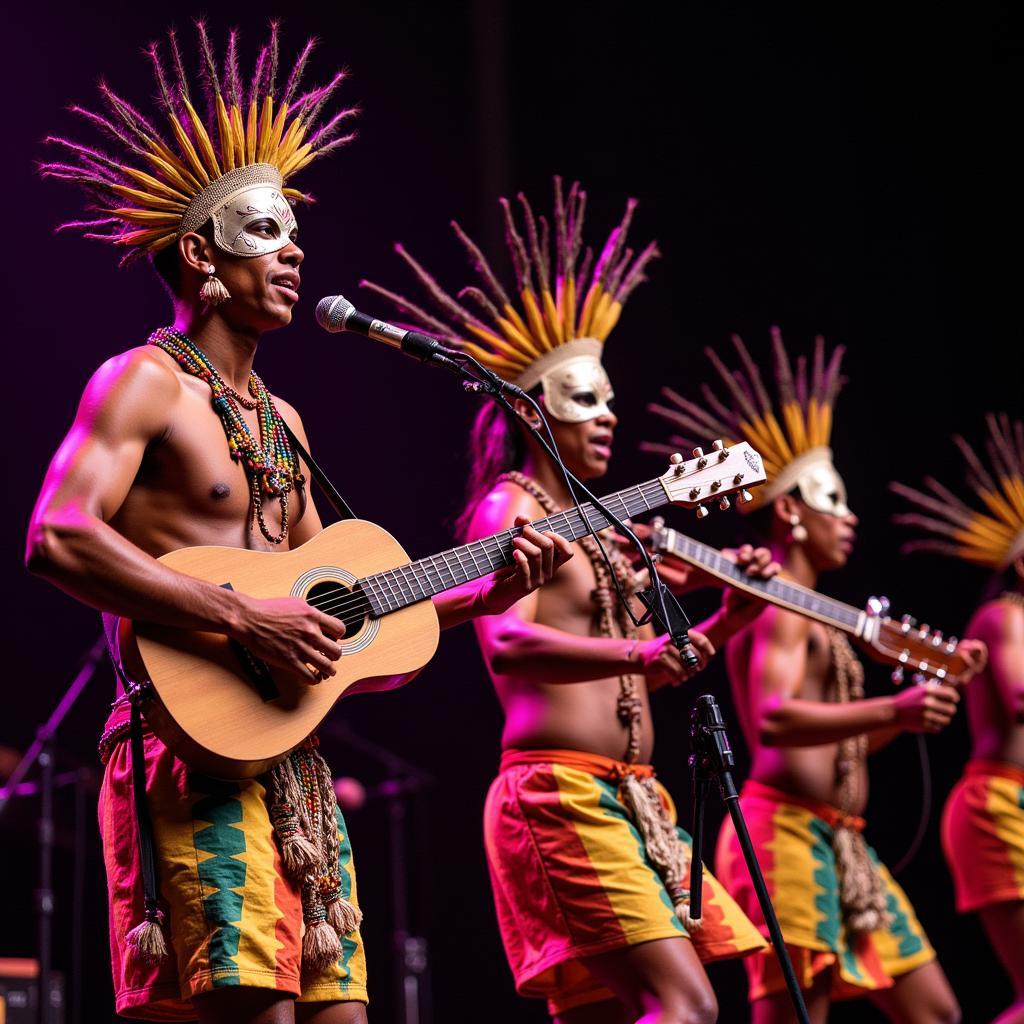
341,601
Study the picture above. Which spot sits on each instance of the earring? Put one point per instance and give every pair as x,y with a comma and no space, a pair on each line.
213,292
798,531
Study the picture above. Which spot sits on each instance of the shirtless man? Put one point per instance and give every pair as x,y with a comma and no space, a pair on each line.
588,870
146,469
797,689
983,821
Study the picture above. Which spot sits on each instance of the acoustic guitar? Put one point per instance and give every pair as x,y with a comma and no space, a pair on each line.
230,715
903,644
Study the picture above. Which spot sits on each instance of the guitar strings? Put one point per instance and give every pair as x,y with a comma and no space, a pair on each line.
348,599
341,599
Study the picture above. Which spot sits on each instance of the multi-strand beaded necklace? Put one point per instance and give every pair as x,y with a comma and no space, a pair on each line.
271,467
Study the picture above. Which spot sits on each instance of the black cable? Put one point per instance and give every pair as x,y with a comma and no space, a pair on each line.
926,808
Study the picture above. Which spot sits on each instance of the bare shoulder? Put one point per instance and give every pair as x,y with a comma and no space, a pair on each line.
500,507
781,627
141,383
998,621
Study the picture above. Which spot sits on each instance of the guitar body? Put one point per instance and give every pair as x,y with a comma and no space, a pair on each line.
233,718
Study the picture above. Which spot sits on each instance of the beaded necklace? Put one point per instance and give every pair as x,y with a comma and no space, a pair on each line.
271,467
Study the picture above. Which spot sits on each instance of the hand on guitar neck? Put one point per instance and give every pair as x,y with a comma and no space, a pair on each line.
903,644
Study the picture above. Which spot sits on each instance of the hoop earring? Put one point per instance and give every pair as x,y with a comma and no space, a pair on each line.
798,531
213,292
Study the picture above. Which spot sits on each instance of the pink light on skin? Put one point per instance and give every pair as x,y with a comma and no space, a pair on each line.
528,714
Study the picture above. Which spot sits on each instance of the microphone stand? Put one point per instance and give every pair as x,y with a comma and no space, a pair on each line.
43,752
712,759
661,604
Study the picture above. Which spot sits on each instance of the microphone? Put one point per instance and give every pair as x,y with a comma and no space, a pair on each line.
335,313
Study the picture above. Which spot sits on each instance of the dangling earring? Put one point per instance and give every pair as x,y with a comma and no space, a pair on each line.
213,292
798,531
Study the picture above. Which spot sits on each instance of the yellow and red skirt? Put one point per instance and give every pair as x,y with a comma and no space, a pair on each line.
983,835
571,878
231,916
793,840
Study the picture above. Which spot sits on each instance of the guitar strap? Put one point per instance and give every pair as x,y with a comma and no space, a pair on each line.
331,493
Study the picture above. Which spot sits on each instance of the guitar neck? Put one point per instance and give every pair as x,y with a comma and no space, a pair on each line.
780,592
404,585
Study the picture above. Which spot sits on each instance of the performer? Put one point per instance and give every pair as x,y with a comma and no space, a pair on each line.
589,872
983,821
798,690
257,904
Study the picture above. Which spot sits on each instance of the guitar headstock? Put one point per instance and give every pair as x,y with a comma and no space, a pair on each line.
711,477
918,649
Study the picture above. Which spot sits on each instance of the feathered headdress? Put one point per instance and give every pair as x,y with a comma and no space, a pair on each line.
805,406
564,305
994,538
163,183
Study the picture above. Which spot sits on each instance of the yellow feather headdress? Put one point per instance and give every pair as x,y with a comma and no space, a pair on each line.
994,538
563,309
166,183
790,447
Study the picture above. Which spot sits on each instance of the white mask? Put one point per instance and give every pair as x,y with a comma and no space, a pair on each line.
813,475
577,390
823,490
254,221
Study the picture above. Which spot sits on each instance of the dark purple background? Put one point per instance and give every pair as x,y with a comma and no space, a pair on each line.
826,170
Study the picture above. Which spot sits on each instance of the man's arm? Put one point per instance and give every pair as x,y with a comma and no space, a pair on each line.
70,543
514,642
778,667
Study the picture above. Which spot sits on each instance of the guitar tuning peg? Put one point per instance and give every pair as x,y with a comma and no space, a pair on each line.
675,458
918,679
897,676
718,445
885,605
698,453
951,645
745,496
874,606
702,512
724,503
937,638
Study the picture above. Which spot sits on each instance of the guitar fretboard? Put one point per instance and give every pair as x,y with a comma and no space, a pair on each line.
416,581
777,591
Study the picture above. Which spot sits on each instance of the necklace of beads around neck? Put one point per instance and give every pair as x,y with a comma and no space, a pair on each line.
271,467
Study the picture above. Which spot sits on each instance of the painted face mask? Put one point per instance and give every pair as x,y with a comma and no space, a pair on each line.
254,221
577,390
823,490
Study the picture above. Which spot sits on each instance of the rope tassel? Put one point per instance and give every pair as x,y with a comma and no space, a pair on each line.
303,812
665,849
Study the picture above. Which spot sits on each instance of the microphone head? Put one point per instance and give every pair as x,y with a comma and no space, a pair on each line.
332,312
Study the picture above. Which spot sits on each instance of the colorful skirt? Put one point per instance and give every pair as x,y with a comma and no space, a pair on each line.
983,835
231,916
571,878
793,841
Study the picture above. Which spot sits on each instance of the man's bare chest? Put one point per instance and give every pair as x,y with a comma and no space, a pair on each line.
190,475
